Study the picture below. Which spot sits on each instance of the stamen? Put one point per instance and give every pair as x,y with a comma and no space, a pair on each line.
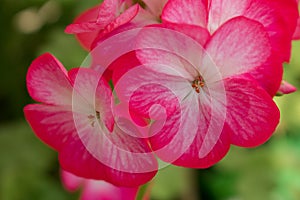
198,83
92,118
98,115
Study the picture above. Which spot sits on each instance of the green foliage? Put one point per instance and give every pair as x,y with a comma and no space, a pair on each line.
28,168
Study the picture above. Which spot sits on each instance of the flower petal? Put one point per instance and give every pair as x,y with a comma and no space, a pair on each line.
238,46
94,189
52,124
269,75
122,19
85,35
286,88
70,181
166,46
199,34
193,12
252,115
47,81
173,139
212,135
191,158
296,35
108,10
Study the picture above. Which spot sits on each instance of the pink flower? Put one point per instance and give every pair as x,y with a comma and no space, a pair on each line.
94,189
75,118
209,96
286,88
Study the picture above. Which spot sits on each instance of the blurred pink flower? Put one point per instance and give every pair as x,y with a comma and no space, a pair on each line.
95,189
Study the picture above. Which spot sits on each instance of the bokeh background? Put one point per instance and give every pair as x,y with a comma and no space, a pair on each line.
29,169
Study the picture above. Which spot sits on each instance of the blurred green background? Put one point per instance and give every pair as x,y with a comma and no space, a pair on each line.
29,169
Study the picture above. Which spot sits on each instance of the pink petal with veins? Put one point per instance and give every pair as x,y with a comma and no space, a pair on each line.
47,81
239,46
192,12
252,114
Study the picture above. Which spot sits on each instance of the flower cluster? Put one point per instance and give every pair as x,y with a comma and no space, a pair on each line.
168,82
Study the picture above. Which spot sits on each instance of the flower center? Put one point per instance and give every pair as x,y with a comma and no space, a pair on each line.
198,83
93,118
